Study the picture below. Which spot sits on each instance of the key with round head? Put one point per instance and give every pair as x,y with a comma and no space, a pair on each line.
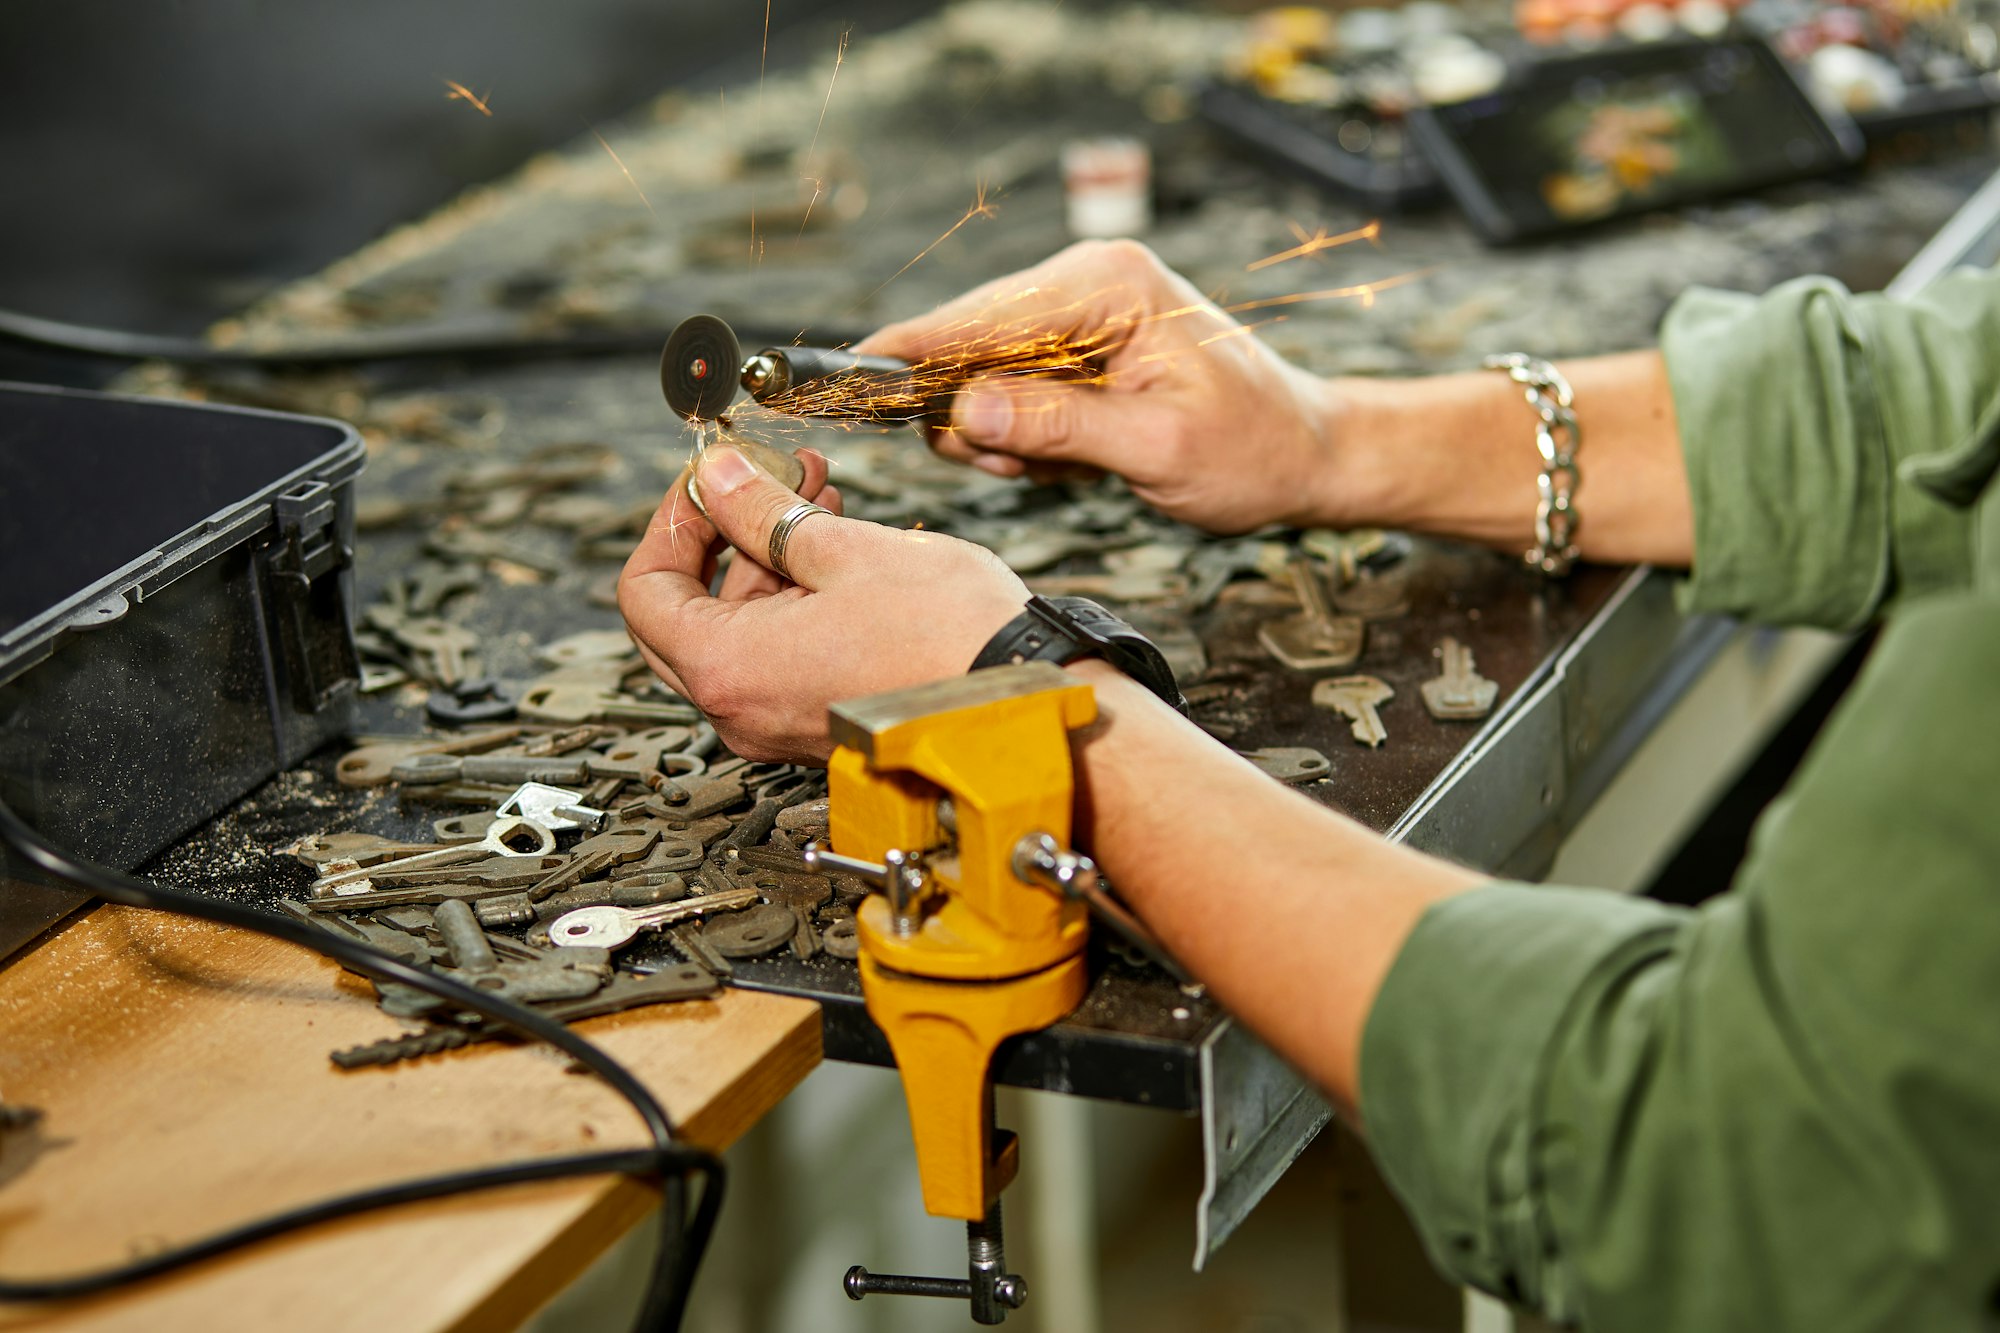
608,927
505,837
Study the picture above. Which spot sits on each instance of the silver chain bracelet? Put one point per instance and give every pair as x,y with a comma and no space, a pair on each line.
1557,436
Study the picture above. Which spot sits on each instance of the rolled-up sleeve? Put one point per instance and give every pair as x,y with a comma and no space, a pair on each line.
1776,1111
1799,411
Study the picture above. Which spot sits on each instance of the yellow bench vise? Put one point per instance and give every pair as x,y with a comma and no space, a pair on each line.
956,798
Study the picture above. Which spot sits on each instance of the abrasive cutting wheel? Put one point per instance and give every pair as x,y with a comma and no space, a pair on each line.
699,368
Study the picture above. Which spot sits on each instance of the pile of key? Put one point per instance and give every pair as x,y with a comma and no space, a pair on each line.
595,817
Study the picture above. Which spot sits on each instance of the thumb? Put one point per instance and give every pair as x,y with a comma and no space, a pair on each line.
746,504
1048,419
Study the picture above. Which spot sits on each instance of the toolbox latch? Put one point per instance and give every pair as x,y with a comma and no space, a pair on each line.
305,562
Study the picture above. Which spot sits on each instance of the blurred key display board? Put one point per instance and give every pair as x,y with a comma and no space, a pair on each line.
1556,114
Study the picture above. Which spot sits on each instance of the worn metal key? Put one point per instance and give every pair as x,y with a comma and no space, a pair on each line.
506,837
801,895
1459,692
608,927
1356,698
1318,638
562,702
451,649
503,769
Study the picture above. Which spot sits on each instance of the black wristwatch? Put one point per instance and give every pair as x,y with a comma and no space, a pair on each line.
1063,629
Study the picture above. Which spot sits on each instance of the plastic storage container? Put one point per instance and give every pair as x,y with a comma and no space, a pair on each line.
176,617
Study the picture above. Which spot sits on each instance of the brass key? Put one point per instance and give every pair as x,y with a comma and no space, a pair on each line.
1318,638
1356,698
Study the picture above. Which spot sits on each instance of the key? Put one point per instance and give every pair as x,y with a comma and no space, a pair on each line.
753,828
472,544
595,855
625,893
634,756
1318,638
1459,692
568,739
410,948
702,797
435,584
567,703
451,650
1348,553
359,849
501,769
609,927
1130,585
370,764
591,645
800,894
463,828
687,938
1355,698
1375,596
841,938
682,982
1292,764
556,808
507,837
526,980
1215,564
764,929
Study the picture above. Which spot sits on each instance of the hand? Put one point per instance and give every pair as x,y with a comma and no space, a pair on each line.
870,608
1205,422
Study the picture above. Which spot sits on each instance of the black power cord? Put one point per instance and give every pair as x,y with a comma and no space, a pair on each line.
682,1238
447,344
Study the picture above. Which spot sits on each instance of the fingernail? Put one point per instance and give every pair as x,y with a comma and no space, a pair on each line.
983,416
723,469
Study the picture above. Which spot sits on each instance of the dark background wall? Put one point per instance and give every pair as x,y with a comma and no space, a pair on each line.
165,162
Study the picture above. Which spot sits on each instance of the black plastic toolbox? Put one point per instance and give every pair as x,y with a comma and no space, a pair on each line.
176,617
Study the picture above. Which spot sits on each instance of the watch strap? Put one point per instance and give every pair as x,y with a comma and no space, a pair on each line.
1064,629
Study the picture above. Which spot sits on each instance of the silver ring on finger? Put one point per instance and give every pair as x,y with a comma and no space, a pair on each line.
781,536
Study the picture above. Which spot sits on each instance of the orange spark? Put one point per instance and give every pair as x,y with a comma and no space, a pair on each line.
459,92
980,209
839,54
1364,291
674,522
1318,241
628,175
764,54
1239,331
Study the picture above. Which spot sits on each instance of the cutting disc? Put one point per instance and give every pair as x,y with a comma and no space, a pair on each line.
699,368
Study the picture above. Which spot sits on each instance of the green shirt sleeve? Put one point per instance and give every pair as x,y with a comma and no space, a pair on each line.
1803,417
1778,1111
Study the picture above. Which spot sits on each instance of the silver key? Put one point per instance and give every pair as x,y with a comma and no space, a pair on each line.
1291,764
608,927
1355,698
1459,692
556,808
1318,638
506,837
